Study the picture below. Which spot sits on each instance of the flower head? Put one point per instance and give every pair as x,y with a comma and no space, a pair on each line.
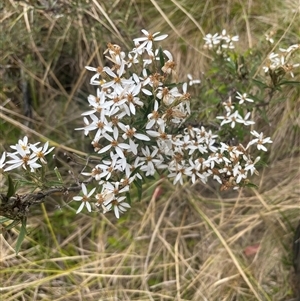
118,205
260,140
22,158
41,152
146,42
84,199
243,97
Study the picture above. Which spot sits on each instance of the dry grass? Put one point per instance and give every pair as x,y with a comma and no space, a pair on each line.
183,246
188,243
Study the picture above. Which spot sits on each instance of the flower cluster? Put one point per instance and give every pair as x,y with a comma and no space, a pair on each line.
220,42
136,123
278,64
129,115
26,155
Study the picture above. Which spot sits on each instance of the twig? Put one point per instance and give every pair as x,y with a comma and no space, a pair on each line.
18,206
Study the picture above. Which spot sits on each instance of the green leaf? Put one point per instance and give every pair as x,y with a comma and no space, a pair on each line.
139,185
251,185
260,84
12,225
4,219
289,83
21,236
11,187
161,57
128,198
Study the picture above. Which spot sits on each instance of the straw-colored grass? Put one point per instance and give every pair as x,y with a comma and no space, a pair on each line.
178,243
182,246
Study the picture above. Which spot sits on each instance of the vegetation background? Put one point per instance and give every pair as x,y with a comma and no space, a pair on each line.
178,243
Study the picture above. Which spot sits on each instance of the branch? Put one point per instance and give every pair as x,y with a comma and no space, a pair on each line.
18,206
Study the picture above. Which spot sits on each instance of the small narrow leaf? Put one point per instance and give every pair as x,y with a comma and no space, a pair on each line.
128,198
289,83
138,184
252,185
4,219
12,225
161,57
21,236
11,187
260,84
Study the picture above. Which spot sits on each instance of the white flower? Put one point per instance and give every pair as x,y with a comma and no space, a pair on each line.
99,104
84,199
165,147
197,145
41,152
108,167
101,124
160,133
118,205
193,171
182,142
260,140
250,166
228,38
193,81
289,68
169,66
243,97
22,158
228,105
96,171
168,96
99,71
184,106
114,143
235,118
132,59
246,121
86,122
119,100
130,133
143,83
211,144
116,55
235,152
117,79
147,41
272,62
132,99
224,147
112,189
211,40
150,159
23,144
231,118
177,173
150,59
239,173
154,117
